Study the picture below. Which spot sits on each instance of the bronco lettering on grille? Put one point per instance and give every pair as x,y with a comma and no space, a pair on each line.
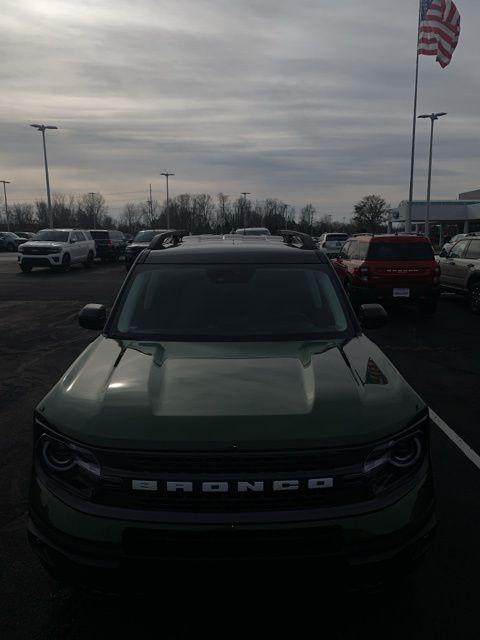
241,486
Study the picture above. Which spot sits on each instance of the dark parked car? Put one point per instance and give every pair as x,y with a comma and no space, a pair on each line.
28,235
110,244
10,241
140,242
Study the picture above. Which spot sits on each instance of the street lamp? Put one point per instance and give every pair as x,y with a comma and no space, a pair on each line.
5,182
167,175
245,194
43,128
433,117
92,195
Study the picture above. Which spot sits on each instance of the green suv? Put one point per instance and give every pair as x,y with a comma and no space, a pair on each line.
231,408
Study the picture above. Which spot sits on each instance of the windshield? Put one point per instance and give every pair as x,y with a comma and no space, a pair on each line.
52,236
147,236
232,302
335,237
400,251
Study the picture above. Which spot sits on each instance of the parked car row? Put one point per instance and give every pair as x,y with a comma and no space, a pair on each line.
10,241
59,249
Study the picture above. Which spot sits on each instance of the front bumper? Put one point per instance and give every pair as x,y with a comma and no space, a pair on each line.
48,260
82,547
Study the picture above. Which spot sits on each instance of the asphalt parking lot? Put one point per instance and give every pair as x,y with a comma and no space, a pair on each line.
440,357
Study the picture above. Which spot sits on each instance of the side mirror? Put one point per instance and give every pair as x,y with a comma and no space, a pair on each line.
443,253
372,316
72,240
93,316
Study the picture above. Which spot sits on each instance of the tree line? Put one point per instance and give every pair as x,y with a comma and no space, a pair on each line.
196,213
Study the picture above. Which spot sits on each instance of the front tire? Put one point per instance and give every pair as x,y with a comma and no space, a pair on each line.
25,268
474,297
11,248
66,263
89,261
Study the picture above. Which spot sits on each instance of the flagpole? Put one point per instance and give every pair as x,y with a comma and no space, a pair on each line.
408,218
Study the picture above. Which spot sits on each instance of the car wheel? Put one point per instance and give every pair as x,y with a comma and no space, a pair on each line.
25,268
11,248
474,297
88,262
66,263
428,307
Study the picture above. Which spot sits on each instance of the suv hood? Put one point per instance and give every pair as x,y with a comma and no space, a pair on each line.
43,244
217,396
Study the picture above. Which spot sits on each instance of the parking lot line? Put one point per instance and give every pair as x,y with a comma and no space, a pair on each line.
456,439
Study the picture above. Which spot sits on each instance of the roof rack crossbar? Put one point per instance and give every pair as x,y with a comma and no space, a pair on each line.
307,241
158,241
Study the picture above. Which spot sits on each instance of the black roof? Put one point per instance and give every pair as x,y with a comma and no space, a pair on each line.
250,249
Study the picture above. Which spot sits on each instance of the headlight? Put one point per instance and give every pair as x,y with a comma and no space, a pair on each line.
73,467
405,453
397,460
20,248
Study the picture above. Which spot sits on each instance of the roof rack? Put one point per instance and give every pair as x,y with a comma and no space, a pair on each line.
307,241
357,235
158,241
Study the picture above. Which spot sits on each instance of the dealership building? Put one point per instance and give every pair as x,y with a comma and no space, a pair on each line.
447,217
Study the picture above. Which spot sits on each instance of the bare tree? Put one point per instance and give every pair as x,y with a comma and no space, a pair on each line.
22,215
131,217
224,213
307,216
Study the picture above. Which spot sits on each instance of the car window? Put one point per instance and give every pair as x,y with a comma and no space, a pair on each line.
50,235
362,250
147,236
80,236
232,302
458,250
473,251
391,251
353,250
99,235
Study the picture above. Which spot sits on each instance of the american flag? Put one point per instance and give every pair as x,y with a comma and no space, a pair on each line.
439,29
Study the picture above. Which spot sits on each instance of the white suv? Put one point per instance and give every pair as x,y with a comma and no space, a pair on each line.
57,249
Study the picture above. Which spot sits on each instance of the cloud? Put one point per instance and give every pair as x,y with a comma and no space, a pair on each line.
305,101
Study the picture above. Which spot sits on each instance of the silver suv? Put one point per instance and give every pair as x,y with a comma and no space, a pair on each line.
461,270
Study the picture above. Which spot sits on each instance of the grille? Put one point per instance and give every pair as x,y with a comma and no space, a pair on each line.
344,466
36,251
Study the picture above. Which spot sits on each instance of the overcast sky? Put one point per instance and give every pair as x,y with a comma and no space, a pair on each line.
307,101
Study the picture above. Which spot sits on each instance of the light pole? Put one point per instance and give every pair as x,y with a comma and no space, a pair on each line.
167,175
433,117
92,195
43,128
245,194
5,182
